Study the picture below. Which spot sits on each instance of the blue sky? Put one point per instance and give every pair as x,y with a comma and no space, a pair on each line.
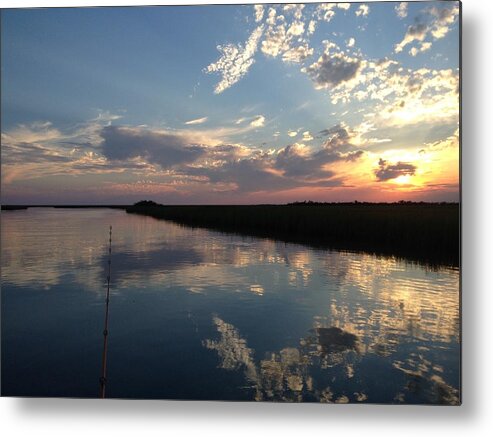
76,80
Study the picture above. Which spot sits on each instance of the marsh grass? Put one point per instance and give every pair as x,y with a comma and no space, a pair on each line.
422,232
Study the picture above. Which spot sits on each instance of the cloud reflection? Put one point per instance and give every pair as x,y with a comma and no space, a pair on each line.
294,373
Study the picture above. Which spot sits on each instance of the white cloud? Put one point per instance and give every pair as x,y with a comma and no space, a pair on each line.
363,10
401,10
350,42
296,9
311,27
325,11
35,132
258,121
271,17
276,40
297,28
297,54
259,12
235,61
307,136
422,48
197,121
284,36
409,97
344,6
292,133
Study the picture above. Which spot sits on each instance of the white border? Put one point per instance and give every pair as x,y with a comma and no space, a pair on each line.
135,418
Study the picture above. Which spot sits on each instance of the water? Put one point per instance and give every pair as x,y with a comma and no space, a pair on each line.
196,314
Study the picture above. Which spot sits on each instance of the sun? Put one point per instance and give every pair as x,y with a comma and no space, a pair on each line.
404,179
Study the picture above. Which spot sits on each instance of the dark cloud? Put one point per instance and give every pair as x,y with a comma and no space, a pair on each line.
331,70
387,171
258,173
418,30
249,175
438,25
337,131
241,168
337,138
295,162
353,156
165,149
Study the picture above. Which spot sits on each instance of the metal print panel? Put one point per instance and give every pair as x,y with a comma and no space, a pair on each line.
232,202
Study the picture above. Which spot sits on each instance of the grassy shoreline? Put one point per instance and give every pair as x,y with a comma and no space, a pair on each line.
422,232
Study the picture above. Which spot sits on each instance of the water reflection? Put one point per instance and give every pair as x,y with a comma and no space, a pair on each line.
293,373
321,326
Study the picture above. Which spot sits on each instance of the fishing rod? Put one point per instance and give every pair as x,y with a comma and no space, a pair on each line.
102,379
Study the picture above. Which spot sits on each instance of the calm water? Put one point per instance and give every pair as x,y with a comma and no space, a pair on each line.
196,314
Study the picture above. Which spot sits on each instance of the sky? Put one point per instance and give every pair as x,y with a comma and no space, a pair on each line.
230,104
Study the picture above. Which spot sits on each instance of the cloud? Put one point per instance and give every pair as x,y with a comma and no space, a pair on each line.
284,170
164,149
297,28
344,6
336,134
438,23
235,61
197,121
276,40
23,153
279,35
295,161
417,96
325,11
293,166
363,10
259,12
42,142
297,54
311,27
301,162
37,131
258,121
184,162
350,42
444,18
415,32
386,171
307,136
399,96
333,68
296,9
36,150
284,34
422,48
401,10
250,174
451,142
